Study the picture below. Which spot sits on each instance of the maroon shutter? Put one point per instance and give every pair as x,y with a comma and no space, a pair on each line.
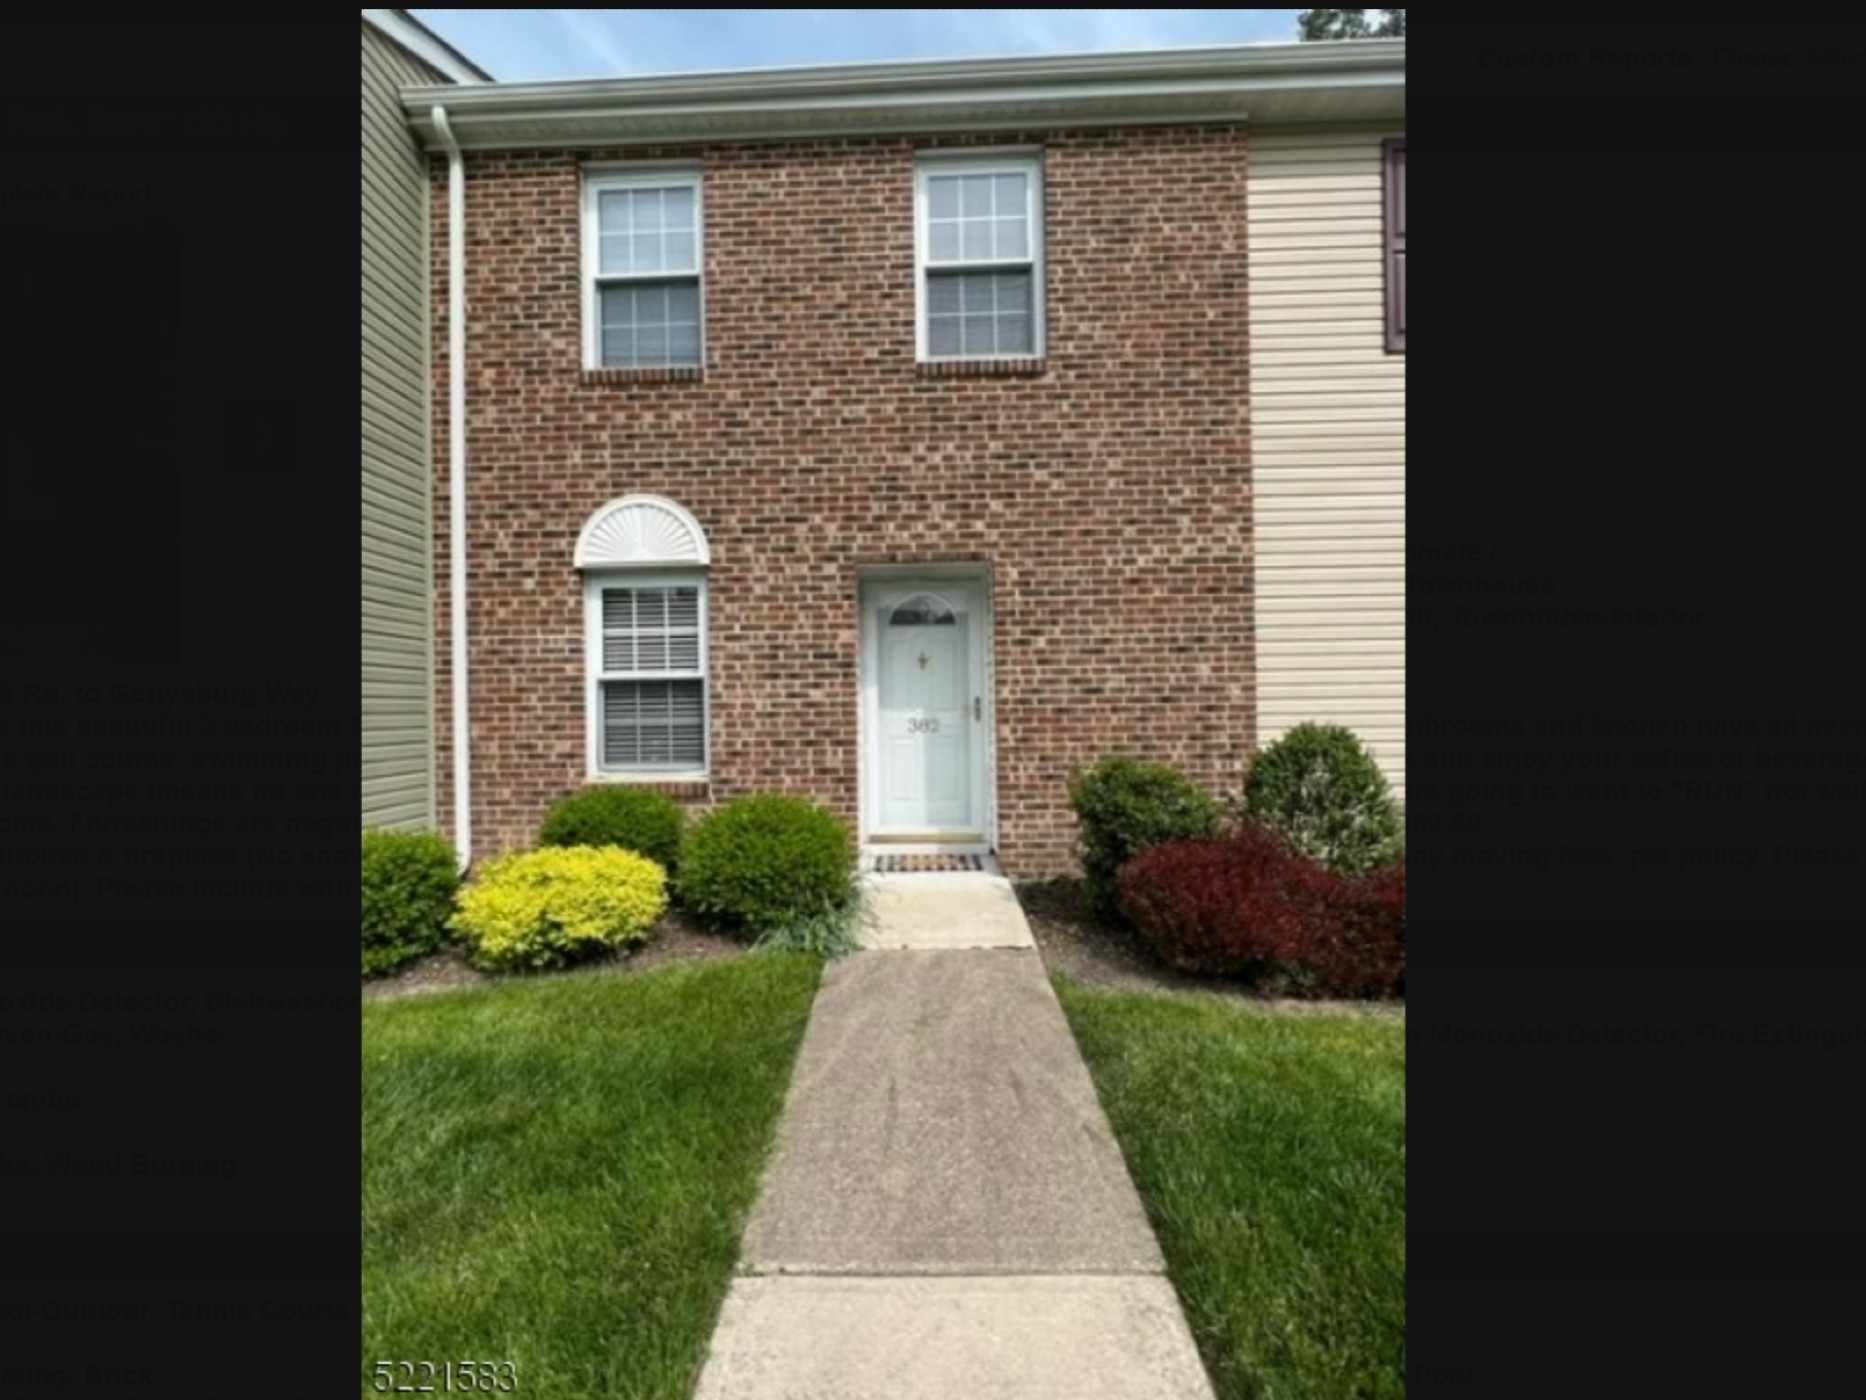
1395,148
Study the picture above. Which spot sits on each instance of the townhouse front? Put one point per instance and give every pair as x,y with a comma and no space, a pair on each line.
881,435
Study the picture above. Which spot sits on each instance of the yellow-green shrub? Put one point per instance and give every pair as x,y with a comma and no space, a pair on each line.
545,908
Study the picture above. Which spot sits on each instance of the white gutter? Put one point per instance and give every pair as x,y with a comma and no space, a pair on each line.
1355,80
1313,63
456,483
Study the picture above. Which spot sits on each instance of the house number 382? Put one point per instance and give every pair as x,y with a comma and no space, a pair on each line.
923,726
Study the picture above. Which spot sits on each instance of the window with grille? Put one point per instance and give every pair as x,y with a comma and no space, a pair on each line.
641,254
979,237
648,665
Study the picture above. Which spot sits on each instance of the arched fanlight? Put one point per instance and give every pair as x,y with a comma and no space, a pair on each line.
635,531
922,610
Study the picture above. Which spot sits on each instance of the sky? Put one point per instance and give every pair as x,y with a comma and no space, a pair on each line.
535,45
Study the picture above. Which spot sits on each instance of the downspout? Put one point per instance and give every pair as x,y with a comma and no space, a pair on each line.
456,484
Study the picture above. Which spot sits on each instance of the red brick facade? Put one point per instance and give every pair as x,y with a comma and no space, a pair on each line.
1109,491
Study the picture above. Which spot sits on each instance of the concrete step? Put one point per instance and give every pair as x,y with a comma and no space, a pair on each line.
966,909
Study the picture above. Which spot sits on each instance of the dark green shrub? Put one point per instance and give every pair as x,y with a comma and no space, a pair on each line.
636,819
409,881
1321,791
1124,805
764,865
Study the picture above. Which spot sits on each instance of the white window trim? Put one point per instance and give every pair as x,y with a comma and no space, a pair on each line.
594,582
598,181
994,163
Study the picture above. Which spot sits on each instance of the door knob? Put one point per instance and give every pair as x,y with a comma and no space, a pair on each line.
978,707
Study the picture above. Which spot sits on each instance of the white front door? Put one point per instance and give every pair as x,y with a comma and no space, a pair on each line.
925,742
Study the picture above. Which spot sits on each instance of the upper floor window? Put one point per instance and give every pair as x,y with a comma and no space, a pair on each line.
978,241
641,270
1395,148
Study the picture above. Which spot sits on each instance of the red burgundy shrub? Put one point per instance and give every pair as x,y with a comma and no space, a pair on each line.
1379,902
1237,906
1359,948
1246,905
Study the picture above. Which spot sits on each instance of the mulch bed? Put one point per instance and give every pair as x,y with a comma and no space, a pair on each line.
1100,954
1072,941
676,939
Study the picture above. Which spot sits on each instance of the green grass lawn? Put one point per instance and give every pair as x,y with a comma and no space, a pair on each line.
556,1172
1270,1150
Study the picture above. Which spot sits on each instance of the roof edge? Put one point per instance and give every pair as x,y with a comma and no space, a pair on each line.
411,34
1345,80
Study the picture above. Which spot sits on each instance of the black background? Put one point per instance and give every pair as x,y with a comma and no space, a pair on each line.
179,230
1632,1085
1634,382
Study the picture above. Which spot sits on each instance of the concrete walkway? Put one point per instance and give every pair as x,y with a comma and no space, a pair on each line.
947,1216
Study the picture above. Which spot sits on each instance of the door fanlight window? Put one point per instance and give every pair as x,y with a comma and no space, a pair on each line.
922,611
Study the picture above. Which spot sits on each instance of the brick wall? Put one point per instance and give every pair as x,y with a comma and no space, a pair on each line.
1109,493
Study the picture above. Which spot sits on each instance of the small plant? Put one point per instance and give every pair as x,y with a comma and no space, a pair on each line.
1123,806
832,934
409,882
1322,792
551,907
636,819
1248,906
769,868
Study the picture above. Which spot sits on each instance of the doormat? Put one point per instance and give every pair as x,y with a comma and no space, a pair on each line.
925,865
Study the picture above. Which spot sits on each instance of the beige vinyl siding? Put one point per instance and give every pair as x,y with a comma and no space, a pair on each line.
1328,411
398,665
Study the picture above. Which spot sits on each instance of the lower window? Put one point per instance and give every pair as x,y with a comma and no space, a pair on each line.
647,665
